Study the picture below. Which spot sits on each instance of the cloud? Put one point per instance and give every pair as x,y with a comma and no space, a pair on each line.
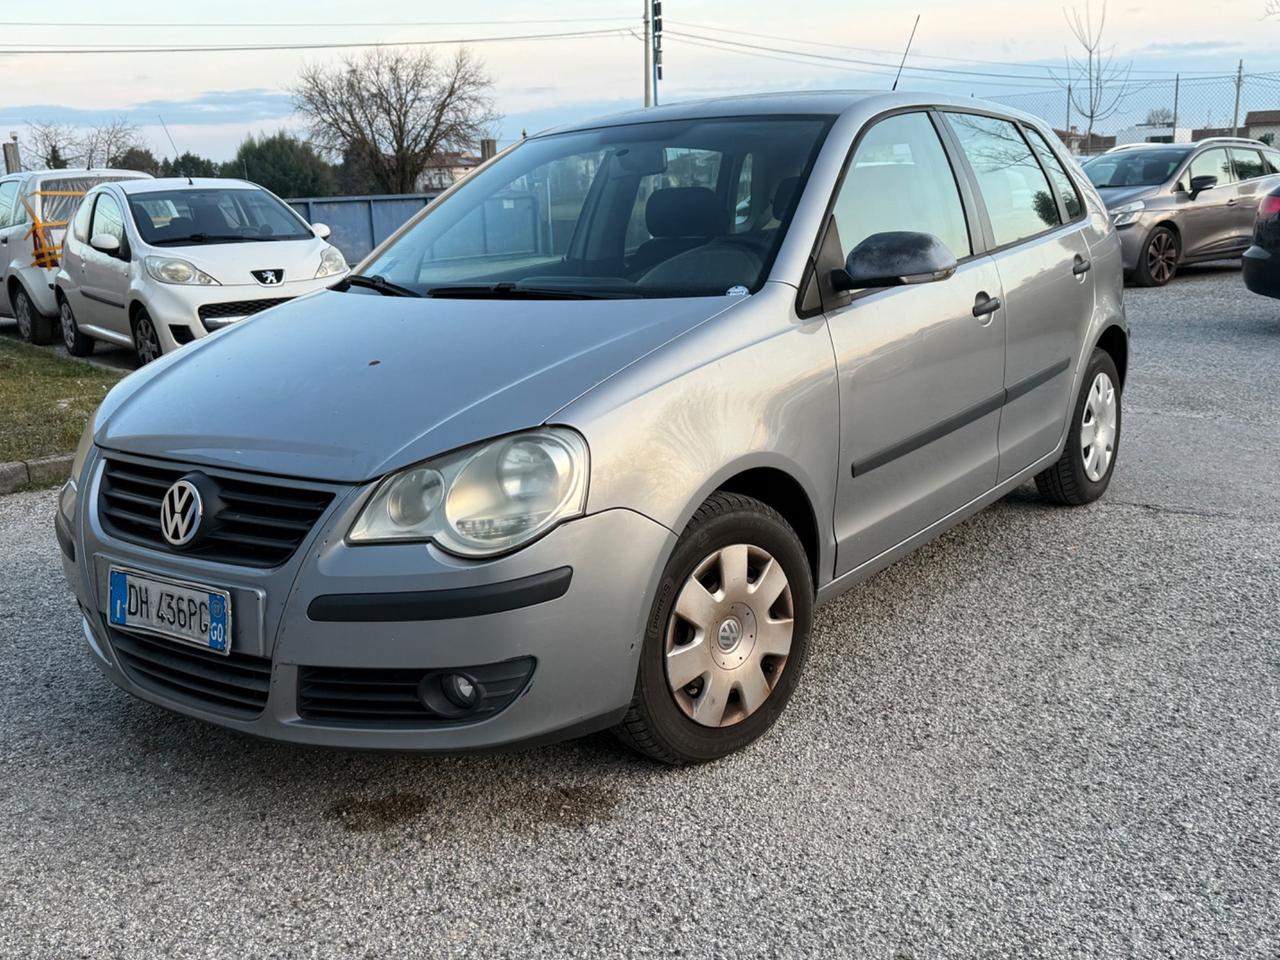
217,107
1190,46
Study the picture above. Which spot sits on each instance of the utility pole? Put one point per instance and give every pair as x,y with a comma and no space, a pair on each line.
1235,117
1067,129
648,58
1173,133
655,28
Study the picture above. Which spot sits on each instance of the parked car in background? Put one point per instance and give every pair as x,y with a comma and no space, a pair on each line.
155,264
1262,260
1183,202
34,209
582,445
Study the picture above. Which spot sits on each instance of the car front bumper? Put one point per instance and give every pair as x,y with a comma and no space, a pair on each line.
185,312
581,639
1133,239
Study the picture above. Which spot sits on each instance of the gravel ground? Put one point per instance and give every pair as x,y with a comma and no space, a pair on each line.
1052,733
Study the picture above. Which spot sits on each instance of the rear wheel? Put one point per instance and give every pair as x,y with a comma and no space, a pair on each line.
146,341
1159,260
1083,472
727,638
77,344
32,325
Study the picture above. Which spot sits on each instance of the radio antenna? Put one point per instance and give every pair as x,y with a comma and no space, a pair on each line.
192,183
905,52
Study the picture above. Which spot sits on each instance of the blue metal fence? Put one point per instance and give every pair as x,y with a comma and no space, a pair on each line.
358,224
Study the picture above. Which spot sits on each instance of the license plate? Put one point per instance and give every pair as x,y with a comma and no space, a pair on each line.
186,612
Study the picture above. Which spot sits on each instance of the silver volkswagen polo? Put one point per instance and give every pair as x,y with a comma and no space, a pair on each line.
581,446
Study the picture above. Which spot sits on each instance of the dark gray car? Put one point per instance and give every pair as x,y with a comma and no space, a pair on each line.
583,444
1183,202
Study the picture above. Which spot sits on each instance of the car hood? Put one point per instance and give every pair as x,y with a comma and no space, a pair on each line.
349,386
231,264
1114,196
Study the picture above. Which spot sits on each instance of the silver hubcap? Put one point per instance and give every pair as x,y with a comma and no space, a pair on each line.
729,635
68,324
23,310
148,343
1098,428
1162,256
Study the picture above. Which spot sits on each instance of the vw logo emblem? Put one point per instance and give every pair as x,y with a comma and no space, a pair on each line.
730,633
181,511
268,278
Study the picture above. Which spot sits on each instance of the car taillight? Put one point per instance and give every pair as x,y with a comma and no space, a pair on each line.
1269,207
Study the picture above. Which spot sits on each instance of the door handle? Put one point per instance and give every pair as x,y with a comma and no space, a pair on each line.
1231,202
984,306
1081,266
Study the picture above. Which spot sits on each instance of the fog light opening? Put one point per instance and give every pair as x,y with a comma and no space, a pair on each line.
461,690
450,694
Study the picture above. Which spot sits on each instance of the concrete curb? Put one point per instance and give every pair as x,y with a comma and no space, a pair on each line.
44,471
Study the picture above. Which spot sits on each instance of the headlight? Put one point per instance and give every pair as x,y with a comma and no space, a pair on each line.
331,263
484,500
173,270
1127,212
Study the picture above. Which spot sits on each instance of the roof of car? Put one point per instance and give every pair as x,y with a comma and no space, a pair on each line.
75,172
809,102
183,183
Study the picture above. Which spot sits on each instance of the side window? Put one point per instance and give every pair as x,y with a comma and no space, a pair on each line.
108,219
1211,163
80,223
900,179
1272,160
1248,163
1015,190
1066,186
8,201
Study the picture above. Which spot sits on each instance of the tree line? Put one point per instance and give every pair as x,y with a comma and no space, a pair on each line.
375,121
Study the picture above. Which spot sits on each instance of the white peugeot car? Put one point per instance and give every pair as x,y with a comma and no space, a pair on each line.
155,264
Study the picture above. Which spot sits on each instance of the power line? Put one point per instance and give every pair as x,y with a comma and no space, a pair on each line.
299,26
336,45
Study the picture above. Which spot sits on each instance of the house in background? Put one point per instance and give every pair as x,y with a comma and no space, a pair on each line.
444,170
1263,125
1080,145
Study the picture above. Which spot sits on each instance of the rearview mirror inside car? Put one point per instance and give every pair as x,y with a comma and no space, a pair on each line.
105,243
893,259
1202,183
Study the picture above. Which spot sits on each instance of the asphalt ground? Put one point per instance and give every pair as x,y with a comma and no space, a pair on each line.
1052,733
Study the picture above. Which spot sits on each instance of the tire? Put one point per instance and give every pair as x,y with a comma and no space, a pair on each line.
743,660
146,339
1158,262
32,325
1083,472
77,344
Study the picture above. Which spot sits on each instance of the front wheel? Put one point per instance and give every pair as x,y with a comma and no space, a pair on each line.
146,341
1159,259
727,638
1084,470
77,344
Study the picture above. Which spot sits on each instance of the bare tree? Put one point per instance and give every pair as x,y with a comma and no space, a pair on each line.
1272,9
51,146
101,145
1159,117
391,111
1094,81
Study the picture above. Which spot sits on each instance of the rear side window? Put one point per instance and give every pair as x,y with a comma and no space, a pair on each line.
1248,163
900,179
1211,163
1017,194
1272,159
80,225
8,201
1066,186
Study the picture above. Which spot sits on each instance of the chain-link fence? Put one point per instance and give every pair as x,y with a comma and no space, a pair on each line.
1175,110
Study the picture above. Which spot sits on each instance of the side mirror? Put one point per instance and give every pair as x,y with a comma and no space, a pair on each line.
1202,183
894,259
105,243
321,230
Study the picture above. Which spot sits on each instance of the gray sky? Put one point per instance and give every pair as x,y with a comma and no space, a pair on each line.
211,100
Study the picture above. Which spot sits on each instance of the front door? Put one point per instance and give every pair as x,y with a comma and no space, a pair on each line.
921,376
105,276
11,233
1208,220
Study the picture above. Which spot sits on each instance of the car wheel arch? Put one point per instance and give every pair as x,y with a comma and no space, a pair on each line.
1115,342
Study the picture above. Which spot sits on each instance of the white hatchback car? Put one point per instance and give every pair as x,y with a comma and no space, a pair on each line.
155,264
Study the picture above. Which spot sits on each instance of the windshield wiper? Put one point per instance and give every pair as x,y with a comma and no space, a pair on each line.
204,238
509,291
376,282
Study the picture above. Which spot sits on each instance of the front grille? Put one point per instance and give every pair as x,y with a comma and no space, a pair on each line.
389,697
238,308
235,685
258,524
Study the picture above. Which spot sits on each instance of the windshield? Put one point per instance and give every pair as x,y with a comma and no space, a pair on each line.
213,215
1134,168
664,209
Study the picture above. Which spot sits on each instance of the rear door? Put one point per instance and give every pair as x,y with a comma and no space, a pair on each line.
1254,182
1038,246
920,375
1207,220
10,220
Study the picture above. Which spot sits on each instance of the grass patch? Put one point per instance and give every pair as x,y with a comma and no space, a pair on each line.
45,400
